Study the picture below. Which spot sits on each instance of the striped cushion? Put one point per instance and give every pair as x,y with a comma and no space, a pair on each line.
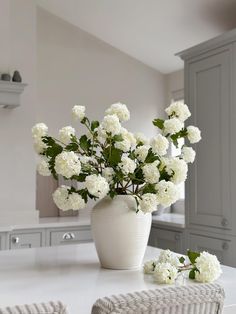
194,299
40,308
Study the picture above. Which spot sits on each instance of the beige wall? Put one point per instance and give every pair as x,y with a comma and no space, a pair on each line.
77,68
67,66
18,51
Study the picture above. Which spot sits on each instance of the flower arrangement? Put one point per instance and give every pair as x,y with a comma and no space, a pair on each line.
110,160
203,267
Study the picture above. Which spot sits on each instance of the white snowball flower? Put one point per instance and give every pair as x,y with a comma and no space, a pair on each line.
127,165
188,154
67,164
60,197
87,159
65,134
39,130
76,201
128,140
78,112
148,203
167,193
151,172
97,185
108,174
43,168
39,146
120,110
102,135
173,126
208,267
166,256
141,139
149,267
178,169
165,273
159,145
141,152
178,110
66,201
194,134
111,124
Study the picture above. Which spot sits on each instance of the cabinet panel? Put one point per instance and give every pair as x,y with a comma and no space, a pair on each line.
208,192
221,247
69,236
22,240
166,239
2,241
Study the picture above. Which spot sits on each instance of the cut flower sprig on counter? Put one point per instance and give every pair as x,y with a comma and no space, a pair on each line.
109,160
202,267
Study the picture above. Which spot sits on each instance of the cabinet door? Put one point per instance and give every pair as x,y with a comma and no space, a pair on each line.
208,95
69,236
2,241
222,248
25,239
166,239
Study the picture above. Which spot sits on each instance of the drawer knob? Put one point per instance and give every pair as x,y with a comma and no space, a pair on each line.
68,236
177,237
15,240
224,222
225,246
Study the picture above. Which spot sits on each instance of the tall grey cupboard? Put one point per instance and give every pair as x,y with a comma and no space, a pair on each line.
210,92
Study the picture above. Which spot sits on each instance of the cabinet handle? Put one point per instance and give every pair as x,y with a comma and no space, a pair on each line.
224,222
15,240
225,246
68,236
177,237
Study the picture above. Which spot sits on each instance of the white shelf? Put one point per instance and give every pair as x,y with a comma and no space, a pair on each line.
10,94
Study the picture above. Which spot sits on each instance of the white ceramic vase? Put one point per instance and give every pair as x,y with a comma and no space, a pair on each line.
120,234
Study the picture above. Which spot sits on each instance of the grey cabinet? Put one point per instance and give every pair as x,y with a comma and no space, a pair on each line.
65,236
166,239
3,237
210,80
222,247
26,239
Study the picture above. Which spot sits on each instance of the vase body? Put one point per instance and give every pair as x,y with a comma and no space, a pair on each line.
120,234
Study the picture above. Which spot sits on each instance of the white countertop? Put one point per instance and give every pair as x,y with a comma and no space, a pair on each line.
169,219
83,219
73,275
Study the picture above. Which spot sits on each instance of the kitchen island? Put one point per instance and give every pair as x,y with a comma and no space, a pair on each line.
72,274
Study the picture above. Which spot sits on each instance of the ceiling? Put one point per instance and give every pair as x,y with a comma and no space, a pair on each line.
151,31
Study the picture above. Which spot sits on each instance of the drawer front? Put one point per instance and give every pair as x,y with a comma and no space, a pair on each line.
166,239
222,248
69,236
25,240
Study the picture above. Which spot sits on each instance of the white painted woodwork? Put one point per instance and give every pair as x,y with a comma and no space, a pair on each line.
10,94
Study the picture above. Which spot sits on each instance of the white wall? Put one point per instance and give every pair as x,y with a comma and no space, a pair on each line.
18,51
67,66
174,84
77,68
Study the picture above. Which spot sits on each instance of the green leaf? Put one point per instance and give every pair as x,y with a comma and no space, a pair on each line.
137,177
84,143
80,178
94,125
151,157
149,188
192,273
112,155
117,138
112,193
72,147
159,123
181,259
192,256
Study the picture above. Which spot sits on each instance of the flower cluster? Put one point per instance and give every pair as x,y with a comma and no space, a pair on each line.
203,267
110,160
